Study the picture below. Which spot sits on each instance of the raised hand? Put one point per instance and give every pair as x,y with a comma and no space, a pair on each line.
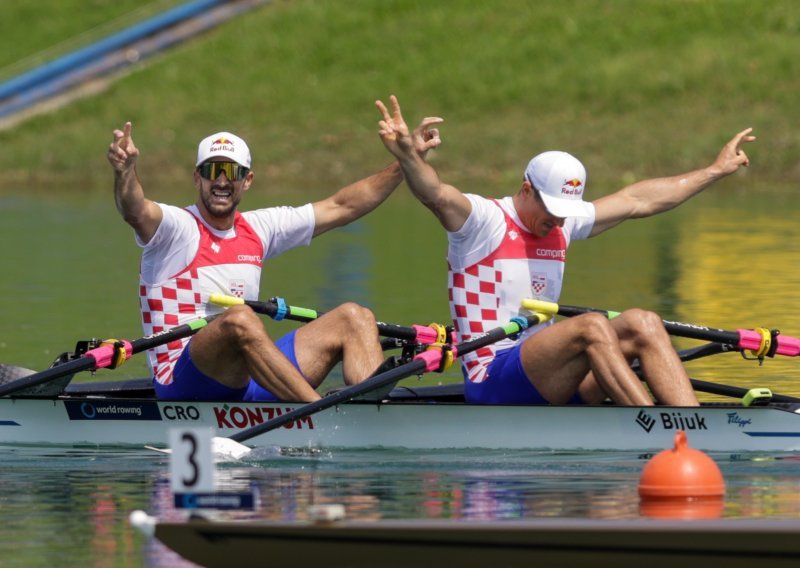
393,129
122,152
396,137
425,137
732,156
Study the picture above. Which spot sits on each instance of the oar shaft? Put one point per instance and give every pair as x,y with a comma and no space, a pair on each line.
429,360
745,339
36,379
271,309
172,334
735,392
423,334
673,327
694,331
717,388
102,356
373,383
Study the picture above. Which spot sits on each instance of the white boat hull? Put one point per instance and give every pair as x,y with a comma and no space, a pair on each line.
75,421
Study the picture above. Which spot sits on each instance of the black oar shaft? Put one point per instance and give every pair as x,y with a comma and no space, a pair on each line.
70,367
735,392
89,362
760,341
694,331
680,329
373,383
421,363
295,313
177,332
718,388
272,310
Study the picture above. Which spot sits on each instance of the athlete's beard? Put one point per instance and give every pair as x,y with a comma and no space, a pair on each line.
220,211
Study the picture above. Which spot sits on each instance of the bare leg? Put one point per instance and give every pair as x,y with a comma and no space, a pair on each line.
642,335
348,333
590,390
235,347
559,358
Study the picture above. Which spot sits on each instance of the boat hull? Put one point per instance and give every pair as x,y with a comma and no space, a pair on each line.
419,424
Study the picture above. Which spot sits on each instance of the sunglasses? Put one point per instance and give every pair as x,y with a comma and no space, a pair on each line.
211,170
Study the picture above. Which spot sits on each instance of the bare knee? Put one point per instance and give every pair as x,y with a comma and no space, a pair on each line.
242,323
643,325
595,329
356,316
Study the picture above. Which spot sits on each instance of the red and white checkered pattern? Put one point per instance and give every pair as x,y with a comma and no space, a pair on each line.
177,301
221,266
488,293
474,306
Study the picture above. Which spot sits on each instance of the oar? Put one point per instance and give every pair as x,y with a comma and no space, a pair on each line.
107,355
277,309
740,392
429,360
717,388
761,342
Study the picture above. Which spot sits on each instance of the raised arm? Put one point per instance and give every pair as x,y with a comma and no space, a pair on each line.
653,196
449,205
361,197
355,200
138,211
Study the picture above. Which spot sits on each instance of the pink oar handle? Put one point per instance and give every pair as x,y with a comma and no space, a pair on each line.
425,334
433,358
104,355
787,345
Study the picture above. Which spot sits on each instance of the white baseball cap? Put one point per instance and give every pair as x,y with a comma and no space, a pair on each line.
224,144
560,179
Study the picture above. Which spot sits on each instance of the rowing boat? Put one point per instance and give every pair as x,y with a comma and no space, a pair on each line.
531,542
126,413
46,408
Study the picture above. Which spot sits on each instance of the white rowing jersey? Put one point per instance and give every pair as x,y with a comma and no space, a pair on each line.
187,260
495,262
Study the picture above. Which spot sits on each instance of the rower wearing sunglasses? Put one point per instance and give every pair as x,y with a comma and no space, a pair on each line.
212,248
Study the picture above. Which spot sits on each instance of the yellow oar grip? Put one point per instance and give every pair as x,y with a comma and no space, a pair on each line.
223,300
540,306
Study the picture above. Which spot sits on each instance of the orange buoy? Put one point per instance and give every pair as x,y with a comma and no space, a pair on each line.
681,483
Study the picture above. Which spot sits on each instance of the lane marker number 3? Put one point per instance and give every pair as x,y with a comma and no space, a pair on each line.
191,461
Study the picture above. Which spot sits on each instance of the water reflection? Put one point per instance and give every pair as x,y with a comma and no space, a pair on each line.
72,508
472,485
739,269
67,507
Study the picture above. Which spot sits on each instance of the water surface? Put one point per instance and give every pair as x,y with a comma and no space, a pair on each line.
70,273
71,509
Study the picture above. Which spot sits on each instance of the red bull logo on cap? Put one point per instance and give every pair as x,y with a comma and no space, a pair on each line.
223,143
572,187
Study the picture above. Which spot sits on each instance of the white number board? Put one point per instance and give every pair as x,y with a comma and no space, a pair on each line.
191,464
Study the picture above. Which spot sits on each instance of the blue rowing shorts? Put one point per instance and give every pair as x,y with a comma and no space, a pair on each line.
506,383
189,383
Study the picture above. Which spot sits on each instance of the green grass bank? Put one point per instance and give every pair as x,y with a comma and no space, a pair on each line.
634,88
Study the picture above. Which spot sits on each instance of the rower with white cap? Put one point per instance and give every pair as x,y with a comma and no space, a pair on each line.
502,251
190,254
